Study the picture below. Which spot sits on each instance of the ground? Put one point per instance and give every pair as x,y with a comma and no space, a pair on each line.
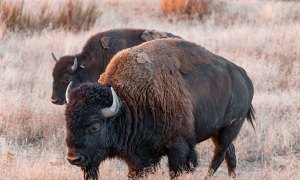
263,37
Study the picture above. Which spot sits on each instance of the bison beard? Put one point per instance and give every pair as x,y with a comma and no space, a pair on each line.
91,172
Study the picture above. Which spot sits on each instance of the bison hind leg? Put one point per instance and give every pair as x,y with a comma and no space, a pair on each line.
182,157
224,149
231,161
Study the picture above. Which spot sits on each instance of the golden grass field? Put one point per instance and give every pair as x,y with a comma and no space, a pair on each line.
263,37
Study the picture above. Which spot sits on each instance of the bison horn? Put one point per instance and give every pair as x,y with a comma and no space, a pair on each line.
74,67
114,108
54,58
68,91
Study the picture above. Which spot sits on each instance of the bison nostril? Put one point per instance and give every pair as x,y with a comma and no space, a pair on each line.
76,160
56,100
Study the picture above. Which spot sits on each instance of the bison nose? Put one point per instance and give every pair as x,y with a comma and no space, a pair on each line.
75,159
56,100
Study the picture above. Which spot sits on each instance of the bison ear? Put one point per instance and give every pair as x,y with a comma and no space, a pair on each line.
105,40
149,35
54,57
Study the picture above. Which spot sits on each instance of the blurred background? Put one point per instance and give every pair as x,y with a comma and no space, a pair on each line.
262,36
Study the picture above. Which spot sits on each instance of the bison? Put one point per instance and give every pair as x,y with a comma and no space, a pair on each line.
96,54
159,98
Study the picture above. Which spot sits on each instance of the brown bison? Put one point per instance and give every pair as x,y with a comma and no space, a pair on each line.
159,98
96,54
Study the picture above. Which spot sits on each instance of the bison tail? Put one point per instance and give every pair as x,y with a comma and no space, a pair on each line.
250,116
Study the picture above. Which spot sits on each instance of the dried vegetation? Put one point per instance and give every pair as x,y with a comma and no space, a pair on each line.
261,36
192,8
72,15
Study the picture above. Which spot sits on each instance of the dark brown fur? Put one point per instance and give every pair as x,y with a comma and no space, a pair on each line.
95,56
174,94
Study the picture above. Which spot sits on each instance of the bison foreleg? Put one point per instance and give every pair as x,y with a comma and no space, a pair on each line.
192,158
140,167
181,157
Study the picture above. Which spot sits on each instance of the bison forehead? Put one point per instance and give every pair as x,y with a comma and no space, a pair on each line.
89,94
78,119
63,63
85,103
74,115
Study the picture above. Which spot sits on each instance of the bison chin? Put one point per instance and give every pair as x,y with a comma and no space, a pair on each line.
91,172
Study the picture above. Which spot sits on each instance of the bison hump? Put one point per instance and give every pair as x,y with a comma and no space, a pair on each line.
146,82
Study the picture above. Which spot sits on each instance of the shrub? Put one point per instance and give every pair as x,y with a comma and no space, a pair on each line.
198,8
72,15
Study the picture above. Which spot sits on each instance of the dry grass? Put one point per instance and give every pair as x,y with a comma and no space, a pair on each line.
261,36
72,15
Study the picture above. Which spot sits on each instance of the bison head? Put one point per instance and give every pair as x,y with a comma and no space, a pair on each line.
67,70
90,113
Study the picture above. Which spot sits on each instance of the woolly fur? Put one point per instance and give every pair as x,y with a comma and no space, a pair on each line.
150,76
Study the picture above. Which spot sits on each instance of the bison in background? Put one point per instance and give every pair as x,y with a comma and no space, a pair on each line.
159,98
96,54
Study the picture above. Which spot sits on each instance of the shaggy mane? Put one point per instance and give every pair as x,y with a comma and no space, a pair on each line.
149,76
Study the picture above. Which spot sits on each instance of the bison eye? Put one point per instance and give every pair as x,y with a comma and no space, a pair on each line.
93,128
66,81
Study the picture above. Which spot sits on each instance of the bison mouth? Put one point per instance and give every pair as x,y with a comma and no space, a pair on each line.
90,172
91,169
90,164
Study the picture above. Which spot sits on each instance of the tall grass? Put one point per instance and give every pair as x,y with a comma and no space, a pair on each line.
72,15
261,36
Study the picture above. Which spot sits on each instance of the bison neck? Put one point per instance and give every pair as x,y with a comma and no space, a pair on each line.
94,62
135,140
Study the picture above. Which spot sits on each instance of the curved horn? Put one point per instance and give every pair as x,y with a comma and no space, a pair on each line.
74,67
54,58
68,91
114,108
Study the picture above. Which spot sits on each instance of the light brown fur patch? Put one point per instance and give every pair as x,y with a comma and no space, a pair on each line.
149,35
105,40
142,58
